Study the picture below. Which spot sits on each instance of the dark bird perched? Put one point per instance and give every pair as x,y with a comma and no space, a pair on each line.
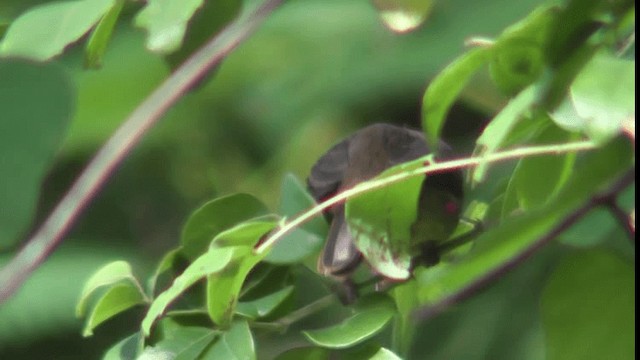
361,157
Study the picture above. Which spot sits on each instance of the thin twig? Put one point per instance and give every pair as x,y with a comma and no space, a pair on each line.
431,168
145,116
434,309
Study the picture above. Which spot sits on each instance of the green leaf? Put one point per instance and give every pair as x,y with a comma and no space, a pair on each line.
212,261
223,288
166,263
371,315
602,97
44,31
445,88
125,349
304,241
181,342
213,217
519,235
403,15
380,222
234,344
37,103
385,354
110,274
530,188
244,234
588,308
500,127
100,36
166,22
306,353
517,57
117,299
263,306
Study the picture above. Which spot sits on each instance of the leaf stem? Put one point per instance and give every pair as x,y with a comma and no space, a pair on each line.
428,169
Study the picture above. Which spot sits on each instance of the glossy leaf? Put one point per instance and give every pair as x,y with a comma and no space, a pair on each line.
445,88
215,216
223,288
370,317
39,34
37,103
166,22
498,246
116,299
305,240
234,344
263,306
500,127
403,15
100,36
385,354
588,308
213,261
110,274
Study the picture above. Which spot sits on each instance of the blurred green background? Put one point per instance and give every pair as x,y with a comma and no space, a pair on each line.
315,71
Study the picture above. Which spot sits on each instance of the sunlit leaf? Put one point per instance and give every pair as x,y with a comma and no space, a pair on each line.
44,31
37,103
385,354
223,288
212,261
588,308
166,22
213,217
370,317
110,274
244,234
100,36
403,15
116,299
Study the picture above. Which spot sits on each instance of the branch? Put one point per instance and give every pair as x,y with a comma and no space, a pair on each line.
428,169
143,118
432,310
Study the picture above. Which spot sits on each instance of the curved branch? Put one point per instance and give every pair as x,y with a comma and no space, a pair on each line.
123,140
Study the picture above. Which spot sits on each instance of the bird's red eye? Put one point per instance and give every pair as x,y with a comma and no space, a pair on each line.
451,207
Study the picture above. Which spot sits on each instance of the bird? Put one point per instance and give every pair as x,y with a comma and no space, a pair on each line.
362,156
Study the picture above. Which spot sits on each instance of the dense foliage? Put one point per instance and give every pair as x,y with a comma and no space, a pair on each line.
545,108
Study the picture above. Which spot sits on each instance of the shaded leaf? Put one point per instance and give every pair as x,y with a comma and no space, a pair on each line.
212,261
500,127
588,308
445,88
213,217
496,247
370,317
39,33
234,344
37,103
125,349
263,306
306,353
